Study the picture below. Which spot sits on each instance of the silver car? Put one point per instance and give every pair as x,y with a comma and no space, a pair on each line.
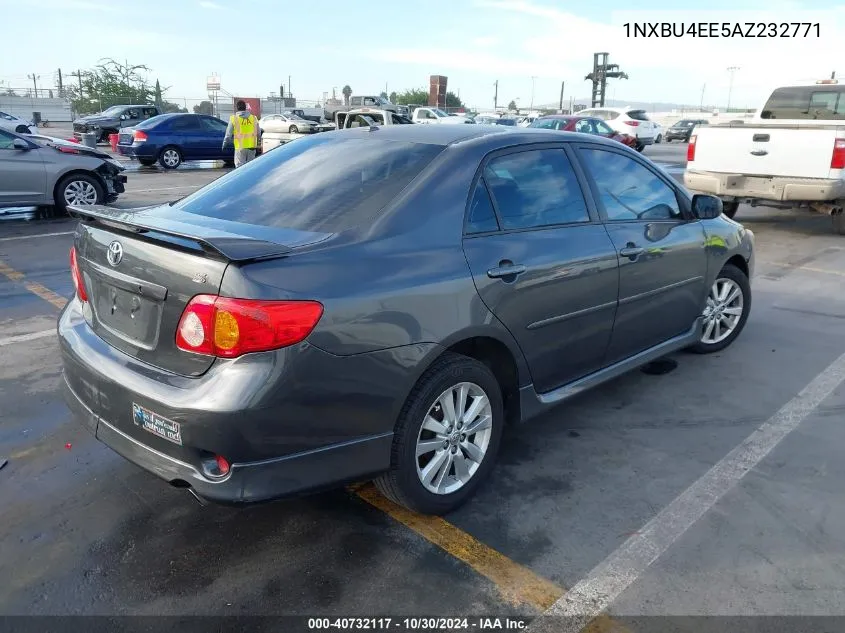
41,171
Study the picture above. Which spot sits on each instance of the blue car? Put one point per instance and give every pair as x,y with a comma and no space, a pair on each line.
172,139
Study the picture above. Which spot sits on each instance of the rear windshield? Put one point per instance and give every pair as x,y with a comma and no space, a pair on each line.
637,115
153,121
806,102
322,183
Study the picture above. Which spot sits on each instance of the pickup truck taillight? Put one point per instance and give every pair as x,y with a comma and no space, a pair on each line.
139,136
691,149
837,161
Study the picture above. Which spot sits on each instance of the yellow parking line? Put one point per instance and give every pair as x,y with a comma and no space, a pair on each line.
517,584
35,288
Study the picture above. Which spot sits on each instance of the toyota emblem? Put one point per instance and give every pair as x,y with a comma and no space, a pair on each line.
115,253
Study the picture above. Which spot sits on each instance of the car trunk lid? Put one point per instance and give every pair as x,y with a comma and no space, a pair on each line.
141,268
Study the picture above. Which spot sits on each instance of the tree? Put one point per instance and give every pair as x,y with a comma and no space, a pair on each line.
204,107
512,105
453,100
111,83
418,96
383,95
158,99
347,92
392,98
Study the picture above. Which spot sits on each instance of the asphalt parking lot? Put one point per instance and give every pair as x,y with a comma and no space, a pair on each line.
649,496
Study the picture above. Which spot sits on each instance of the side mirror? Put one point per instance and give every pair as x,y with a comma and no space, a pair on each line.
19,143
706,207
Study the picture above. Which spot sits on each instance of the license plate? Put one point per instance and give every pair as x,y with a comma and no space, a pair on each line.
156,424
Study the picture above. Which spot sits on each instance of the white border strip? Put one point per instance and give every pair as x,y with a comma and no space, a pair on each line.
27,237
604,584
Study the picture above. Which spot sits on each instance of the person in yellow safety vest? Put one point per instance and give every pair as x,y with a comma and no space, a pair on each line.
243,130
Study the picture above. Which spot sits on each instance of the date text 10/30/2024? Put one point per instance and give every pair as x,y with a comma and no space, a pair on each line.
417,624
751,30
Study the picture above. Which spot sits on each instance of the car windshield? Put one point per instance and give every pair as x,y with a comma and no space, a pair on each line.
439,113
683,124
113,111
321,183
503,121
549,124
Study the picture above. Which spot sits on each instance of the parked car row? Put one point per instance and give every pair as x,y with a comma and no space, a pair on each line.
583,125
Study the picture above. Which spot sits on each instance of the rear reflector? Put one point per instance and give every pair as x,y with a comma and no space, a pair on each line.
632,123
227,327
76,274
691,149
837,161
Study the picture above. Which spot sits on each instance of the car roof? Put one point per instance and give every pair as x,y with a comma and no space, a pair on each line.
492,135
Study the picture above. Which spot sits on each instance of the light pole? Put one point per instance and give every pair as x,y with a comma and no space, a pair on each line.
34,78
533,79
731,70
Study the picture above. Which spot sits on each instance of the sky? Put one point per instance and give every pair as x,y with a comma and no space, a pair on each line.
528,46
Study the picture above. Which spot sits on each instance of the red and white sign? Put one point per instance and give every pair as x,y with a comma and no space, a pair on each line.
253,105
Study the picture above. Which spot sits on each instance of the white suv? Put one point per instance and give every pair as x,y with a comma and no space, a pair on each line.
627,121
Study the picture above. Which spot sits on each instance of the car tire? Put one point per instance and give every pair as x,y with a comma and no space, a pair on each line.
293,130
839,222
78,189
730,208
734,279
659,138
22,129
147,162
423,424
639,147
170,157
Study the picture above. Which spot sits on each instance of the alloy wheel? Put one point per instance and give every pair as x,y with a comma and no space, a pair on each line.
723,311
80,192
454,438
171,158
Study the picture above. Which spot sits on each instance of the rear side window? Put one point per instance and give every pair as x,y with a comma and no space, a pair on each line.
535,188
185,124
546,124
320,183
806,102
482,217
637,115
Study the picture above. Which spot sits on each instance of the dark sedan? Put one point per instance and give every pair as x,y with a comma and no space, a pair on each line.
583,125
172,139
380,302
682,130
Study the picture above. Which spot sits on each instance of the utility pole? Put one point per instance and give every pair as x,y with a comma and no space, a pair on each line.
731,70
290,92
701,105
560,107
533,79
34,78
78,75
61,85
496,95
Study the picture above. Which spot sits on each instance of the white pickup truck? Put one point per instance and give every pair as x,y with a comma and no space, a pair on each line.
366,117
790,154
438,116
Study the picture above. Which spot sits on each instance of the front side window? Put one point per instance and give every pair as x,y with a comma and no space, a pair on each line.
535,188
628,190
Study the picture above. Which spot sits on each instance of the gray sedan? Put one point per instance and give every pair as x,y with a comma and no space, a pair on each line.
41,171
381,302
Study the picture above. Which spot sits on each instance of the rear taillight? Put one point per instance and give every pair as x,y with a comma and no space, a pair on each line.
226,327
139,136
691,149
632,123
837,161
76,274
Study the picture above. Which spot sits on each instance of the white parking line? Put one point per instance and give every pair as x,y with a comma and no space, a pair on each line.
603,585
22,338
26,237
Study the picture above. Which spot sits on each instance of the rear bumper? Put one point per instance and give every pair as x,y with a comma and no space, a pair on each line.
782,189
289,422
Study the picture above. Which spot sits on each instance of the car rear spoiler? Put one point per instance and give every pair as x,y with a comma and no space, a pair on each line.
233,247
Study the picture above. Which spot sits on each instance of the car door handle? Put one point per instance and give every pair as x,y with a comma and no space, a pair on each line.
632,252
506,270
